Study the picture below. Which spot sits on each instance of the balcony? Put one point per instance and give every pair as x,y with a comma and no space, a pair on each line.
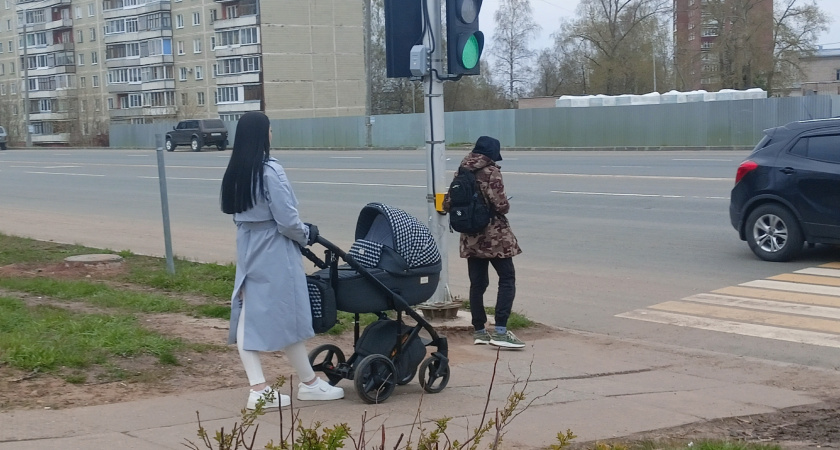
49,115
146,111
135,61
240,78
237,50
236,22
116,38
119,88
229,108
151,7
58,24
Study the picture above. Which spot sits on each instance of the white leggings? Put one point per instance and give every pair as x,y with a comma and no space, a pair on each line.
295,353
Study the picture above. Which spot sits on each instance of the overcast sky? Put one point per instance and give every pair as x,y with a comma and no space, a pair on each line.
549,13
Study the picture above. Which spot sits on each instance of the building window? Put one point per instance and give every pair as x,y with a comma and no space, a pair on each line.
95,81
200,98
81,59
212,42
213,15
80,36
199,72
183,73
180,47
196,45
196,18
837,75
93,34
91,9
184,99
94,58
82,82
78,12
179,21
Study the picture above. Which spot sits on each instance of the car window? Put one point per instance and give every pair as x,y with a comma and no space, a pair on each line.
181,125
2,130
214,123
822,148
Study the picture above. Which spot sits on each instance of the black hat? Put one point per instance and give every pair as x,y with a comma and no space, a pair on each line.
489,147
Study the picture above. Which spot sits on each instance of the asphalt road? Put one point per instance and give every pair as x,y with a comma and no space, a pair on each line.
603,233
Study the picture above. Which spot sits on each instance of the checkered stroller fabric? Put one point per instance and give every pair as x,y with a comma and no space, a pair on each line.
380,225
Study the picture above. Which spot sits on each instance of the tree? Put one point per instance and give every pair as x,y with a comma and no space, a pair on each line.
620,39
796,28
515,27
561,69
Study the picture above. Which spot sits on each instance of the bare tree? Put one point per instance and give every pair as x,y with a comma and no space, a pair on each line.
619,36
796,28
515,27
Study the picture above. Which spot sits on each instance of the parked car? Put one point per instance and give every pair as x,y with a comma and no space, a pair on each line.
198,133
3,137
787,191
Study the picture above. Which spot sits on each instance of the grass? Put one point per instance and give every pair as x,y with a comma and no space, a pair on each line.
516,321
704,444
46,338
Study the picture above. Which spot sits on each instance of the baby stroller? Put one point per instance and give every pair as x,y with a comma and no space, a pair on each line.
392,265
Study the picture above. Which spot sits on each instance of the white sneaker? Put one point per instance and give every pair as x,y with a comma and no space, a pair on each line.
280,400
320,390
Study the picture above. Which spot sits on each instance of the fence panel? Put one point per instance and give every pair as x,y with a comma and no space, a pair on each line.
731,123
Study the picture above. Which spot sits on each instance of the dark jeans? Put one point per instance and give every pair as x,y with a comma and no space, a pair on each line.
480,279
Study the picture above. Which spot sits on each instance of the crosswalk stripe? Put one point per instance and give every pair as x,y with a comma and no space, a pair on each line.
793,287
785,296
760,317
806,279
831,265
727,326
824,272
766,305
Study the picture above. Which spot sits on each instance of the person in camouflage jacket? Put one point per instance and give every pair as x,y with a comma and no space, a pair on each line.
496,245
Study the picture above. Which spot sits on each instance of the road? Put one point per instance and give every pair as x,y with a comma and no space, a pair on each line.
608,237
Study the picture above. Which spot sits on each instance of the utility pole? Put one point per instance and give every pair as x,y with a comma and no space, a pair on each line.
368,81
436,145
26,81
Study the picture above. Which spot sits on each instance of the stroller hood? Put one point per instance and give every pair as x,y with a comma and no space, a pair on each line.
399,230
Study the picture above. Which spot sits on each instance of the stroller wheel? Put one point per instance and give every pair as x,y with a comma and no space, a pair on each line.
327,358
433,375
375,378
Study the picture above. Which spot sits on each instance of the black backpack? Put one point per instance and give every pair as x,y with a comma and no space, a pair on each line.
468,210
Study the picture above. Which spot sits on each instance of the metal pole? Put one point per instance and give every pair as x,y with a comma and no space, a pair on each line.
164,205
26,81
368,81
436,147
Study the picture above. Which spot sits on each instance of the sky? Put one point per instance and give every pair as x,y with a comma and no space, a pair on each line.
549,13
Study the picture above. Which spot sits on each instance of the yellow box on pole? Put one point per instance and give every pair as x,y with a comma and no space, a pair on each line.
439,202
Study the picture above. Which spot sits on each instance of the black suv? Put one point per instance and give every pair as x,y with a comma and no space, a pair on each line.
787,191
197,133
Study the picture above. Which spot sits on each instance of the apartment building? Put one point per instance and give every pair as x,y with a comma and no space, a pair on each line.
722,43
79,65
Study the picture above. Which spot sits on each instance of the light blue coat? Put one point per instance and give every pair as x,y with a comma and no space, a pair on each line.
269,269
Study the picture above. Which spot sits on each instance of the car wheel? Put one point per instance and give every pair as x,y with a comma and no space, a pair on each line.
773,233
169,145
221,146
2,146
195,144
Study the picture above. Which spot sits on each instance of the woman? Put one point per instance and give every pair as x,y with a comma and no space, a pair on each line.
270,280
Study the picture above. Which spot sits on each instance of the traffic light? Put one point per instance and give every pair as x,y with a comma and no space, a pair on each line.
403,30
464,42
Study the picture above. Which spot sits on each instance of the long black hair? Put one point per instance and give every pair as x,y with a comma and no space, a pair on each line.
243,179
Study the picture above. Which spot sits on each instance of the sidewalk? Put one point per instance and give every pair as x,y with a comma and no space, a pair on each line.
597,386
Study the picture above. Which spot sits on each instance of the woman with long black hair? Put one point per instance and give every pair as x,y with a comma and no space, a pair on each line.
270,279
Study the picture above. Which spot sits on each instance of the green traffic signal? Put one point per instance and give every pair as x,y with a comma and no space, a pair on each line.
464,42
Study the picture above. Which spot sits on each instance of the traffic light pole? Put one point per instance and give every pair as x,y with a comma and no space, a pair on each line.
436,146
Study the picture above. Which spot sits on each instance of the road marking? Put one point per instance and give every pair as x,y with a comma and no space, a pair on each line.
803,306
345,157
702,159
65,173
182,178
358,184
744,329
620,194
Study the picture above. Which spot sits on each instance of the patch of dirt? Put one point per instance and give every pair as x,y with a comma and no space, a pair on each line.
799,427
813,426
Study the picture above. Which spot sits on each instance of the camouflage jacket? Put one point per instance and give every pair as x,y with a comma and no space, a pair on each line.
497,240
